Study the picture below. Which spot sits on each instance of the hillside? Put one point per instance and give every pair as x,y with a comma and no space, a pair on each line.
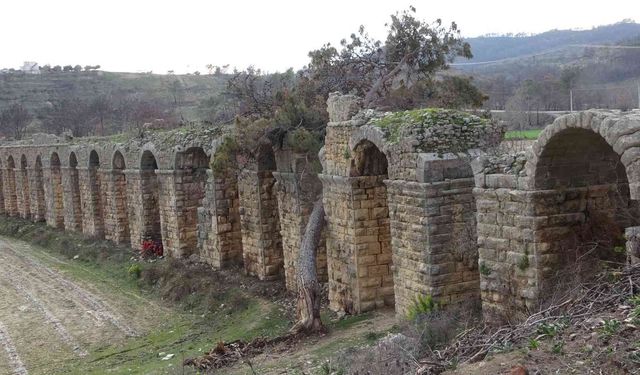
490,48
536,73
181,94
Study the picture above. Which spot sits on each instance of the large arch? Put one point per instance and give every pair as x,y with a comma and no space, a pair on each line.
370,168
57,192
558,219
39,208
190,182
72,200
580,170
118,201
24,197
151,218
11,199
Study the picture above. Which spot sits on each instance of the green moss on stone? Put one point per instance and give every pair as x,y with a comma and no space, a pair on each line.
394,123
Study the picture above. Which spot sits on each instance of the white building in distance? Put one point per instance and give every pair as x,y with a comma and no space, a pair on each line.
30,67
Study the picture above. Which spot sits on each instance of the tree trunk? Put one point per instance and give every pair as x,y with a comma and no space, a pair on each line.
308,287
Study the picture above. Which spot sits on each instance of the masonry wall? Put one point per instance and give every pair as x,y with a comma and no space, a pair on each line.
433,239
37,198
22,193
296,193
221,234
261,238
72,201
10,197
116,216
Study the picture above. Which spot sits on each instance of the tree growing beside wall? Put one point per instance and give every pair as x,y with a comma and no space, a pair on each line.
414,51
289,109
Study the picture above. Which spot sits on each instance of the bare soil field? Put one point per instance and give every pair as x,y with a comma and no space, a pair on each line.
65,315
47,317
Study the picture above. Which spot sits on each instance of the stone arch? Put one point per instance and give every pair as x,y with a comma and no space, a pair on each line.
620,134
151,219
261,237
11,199
57,191
374,135
39,205
73,201
370,170
582,186
95,207
118,199
568,213
191,168
24,198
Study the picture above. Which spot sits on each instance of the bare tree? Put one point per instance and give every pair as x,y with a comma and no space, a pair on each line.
14,120
308,287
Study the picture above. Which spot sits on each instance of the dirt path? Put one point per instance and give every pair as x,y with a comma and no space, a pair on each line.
46,315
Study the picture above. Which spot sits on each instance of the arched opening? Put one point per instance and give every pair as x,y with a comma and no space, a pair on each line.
583,192
57,192
39,212
261,238
11,199
95,194
119,199
151,227
74,214
25,197
373,257
192,166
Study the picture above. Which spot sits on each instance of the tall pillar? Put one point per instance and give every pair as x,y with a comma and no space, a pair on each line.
171,203
3,210
92,196
10,196
261,240
116,206
72,199
296,193
54,198
37,198
221,233
135,206
22,193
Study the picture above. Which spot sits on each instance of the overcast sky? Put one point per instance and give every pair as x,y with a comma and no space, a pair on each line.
186,35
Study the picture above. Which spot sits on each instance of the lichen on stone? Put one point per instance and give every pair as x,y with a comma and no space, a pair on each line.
438,130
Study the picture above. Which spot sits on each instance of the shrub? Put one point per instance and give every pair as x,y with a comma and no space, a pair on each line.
484,270
134,270
421,305
610,327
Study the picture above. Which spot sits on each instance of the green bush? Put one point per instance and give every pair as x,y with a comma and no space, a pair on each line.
134,271
484,270
422,305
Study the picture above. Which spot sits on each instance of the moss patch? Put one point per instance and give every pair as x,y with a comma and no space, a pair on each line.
393,123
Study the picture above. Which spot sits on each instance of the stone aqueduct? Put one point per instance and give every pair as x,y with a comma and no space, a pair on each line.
402,220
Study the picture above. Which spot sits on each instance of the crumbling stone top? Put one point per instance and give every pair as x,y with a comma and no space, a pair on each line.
512,163
437,130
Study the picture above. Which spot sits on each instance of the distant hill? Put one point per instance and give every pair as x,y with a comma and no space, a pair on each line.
183,93
599,68
490,48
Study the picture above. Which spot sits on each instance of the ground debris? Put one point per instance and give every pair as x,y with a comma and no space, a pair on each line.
226,354
579,317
